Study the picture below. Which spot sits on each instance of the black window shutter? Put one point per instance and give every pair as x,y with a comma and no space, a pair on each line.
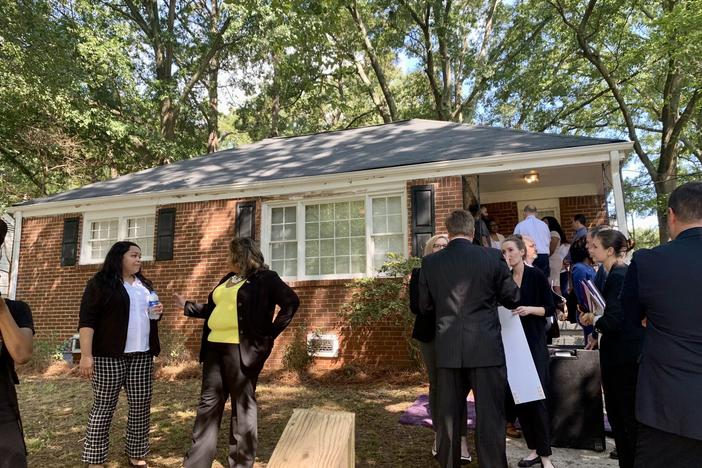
69,245
165,234
422,217
246,220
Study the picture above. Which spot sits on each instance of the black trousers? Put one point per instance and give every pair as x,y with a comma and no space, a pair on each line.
488,385
223,378
619,385
536,426
660,449
12,450
542,263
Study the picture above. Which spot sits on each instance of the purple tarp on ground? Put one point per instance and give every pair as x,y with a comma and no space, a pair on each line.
418,414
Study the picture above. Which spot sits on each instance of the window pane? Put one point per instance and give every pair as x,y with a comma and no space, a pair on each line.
289,232
342,264
277,215
358,227
358,264
312,213
311,249
342,247
277,251
326,212
379,208
277,233
394,223
341,210
395,244
380,224
326,266
311,230
290,214
326,230
327,248
394,205
358,246
358,209
277,266
312,266
290,268
291,250
341,229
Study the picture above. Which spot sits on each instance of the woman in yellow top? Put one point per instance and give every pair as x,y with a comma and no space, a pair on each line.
237,338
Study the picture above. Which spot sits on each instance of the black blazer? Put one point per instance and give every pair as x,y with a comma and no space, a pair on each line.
462,285
106,311
662,284
256,302
424,324
622,336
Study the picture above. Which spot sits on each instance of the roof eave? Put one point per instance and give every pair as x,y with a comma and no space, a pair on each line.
478,165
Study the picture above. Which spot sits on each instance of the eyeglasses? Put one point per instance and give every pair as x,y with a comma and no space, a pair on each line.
439,246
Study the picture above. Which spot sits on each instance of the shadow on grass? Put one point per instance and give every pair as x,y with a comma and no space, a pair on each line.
55,412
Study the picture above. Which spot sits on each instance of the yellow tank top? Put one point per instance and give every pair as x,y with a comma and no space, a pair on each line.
224,322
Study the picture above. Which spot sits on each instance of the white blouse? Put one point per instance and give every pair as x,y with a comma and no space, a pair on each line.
139,326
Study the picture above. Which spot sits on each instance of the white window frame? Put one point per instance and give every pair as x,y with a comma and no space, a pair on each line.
266,217
121,216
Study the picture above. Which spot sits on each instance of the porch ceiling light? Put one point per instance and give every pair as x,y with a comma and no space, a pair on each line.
531,177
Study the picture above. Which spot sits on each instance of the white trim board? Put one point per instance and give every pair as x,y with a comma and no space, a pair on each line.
358,180
541,193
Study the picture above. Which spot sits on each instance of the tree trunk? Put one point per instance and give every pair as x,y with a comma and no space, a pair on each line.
213,114
275,98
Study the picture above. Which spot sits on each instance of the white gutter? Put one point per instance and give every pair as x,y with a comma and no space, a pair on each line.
348,180
618,192
14,266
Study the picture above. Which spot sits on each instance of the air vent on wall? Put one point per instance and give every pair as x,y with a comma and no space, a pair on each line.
323,345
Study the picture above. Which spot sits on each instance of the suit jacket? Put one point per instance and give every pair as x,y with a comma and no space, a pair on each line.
106,310
661,285
256,302
462,285
622,335
424,324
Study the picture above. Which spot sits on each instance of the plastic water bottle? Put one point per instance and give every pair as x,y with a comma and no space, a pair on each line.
153,302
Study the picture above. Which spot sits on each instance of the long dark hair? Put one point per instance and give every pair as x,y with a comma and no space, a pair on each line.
554,225
110,274
578,250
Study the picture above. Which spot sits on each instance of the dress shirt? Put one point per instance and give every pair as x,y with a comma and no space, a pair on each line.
139,327
537,230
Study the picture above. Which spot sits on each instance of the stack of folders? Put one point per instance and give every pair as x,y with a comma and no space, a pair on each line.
595,302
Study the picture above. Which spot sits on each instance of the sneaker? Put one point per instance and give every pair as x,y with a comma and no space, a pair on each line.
614,455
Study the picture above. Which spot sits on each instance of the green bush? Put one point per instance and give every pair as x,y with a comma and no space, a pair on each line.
299,354
384,299
45,352
174,349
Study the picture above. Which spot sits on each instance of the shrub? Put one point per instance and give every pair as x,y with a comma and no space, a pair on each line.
299,354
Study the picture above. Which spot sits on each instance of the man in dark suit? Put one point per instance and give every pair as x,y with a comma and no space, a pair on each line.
662,285
462,285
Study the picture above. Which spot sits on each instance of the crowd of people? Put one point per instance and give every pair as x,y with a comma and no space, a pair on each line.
649,334
649,338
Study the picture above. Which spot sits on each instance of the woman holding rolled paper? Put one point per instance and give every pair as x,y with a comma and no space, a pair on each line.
535,304
620,344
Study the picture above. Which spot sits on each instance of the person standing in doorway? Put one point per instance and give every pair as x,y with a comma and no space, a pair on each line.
538,230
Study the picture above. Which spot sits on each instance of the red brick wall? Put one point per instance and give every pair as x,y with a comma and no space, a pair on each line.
592,206
202,233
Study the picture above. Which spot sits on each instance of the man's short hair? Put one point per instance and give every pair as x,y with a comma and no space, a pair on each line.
580,218
530,209
686,202
3,231
460,223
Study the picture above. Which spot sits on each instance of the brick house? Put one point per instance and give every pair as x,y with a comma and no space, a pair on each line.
325,208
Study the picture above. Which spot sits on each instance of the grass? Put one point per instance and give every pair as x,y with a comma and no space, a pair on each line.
55,411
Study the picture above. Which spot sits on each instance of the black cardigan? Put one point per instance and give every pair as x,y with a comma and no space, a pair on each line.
256,302
622,336
425,324
106,311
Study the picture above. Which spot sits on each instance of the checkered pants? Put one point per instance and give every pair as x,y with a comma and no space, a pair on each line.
134,372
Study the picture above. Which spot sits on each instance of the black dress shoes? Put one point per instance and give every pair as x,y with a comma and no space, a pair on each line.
524,462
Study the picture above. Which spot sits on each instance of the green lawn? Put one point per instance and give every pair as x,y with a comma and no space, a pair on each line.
55,412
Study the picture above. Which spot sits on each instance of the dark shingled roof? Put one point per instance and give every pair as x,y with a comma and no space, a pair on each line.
401,143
